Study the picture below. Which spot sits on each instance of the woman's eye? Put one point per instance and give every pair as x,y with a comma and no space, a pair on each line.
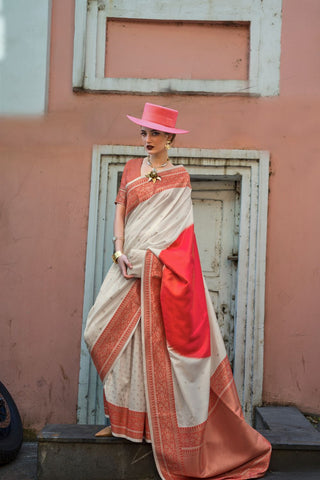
143,134
155,134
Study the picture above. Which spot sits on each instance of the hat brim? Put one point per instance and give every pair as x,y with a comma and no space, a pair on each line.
155,126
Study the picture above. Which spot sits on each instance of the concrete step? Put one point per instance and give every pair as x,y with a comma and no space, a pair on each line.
72,451
295,442
24,467
67,452
309,475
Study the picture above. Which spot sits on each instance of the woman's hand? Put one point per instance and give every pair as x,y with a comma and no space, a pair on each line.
124,263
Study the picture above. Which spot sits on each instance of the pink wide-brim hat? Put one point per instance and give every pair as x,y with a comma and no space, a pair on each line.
158,118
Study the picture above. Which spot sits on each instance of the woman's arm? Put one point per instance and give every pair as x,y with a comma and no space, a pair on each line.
118,227
118,231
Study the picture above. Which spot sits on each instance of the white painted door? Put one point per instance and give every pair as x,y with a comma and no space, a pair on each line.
225,226
216,219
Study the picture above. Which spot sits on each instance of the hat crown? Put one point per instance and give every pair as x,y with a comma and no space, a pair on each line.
161,115
159,118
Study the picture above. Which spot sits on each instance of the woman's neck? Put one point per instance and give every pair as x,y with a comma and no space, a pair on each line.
158,159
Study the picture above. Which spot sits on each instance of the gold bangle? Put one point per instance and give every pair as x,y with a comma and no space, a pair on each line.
116,255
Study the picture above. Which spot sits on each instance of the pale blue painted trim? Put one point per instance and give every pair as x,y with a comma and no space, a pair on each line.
265,45
79,44
86,366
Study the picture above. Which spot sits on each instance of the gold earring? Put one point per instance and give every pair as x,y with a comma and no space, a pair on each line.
168,144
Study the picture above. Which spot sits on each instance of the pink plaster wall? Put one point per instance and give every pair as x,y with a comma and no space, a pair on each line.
45,180
178,50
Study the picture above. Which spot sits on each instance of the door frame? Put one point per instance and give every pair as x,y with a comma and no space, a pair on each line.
251,168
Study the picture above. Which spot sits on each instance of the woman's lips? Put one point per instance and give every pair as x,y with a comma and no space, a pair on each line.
149,147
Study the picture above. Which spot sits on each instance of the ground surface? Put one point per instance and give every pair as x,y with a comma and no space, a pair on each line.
25,468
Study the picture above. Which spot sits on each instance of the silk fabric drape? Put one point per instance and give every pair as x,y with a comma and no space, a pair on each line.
158,349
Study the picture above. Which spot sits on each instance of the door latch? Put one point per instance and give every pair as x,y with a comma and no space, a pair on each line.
233,257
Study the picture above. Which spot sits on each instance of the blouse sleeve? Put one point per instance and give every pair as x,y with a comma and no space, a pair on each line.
122,193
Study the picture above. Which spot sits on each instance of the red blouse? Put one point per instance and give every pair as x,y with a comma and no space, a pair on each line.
131,171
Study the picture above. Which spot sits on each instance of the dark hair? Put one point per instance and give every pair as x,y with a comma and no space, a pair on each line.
173,135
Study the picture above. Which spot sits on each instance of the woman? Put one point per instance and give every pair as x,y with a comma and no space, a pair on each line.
152,332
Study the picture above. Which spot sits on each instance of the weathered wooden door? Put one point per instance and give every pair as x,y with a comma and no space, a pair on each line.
230,197
216,218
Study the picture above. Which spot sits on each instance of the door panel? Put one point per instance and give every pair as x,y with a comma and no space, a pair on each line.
216,210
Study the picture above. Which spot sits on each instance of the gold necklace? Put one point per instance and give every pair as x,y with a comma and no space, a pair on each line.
153,174
160,166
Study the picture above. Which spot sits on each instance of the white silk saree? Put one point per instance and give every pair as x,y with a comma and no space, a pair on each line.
158,350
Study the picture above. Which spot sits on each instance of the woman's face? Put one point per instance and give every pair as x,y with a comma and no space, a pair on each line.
153,141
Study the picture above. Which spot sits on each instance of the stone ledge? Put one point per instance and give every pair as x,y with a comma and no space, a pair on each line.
287,427
72,451
295,442
66,433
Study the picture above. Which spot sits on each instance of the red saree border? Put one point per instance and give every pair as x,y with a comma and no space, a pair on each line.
115,335
223,387
164,428
127,423
169,179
